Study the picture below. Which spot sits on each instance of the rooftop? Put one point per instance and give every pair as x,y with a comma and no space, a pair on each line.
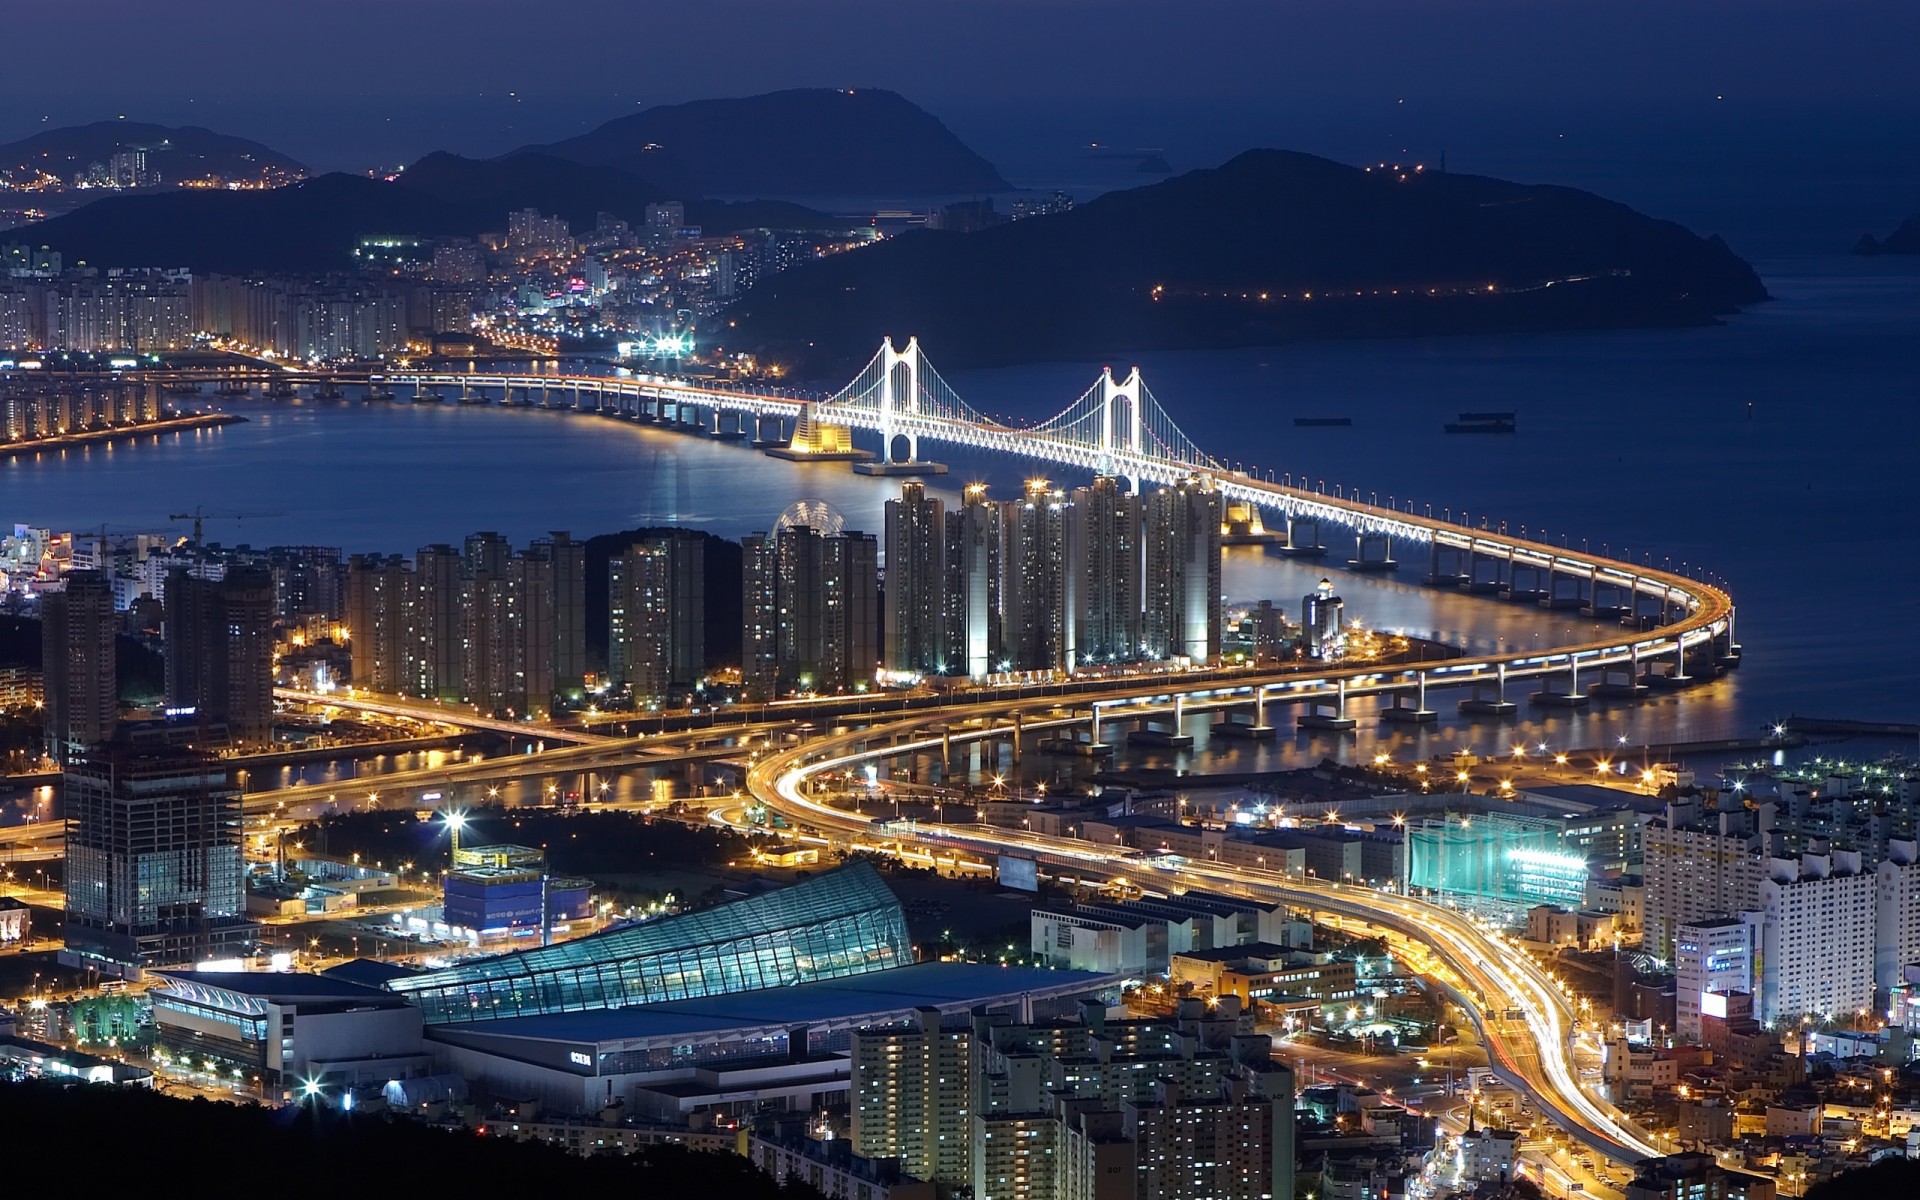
856,1000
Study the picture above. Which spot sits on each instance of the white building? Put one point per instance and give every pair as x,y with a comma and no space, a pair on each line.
1816,923
1710,956
1896,940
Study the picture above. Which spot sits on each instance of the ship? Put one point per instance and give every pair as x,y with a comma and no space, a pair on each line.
1317,422
330,390
1482,422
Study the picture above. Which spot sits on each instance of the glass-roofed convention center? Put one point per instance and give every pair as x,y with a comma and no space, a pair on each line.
846,922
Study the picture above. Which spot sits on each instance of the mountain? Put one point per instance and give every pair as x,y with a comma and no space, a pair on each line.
175,153
309,226
1904,240
805,142
1273,246
314,225
579,193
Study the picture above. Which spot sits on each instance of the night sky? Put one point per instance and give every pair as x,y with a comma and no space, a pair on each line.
1544,89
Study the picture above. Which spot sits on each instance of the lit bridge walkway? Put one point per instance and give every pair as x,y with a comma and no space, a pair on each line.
1118,427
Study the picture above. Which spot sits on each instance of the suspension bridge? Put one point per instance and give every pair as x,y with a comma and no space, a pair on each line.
1117,427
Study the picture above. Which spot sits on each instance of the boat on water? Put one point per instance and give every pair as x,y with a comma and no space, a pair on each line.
1482,422
379,391
328,391
1322,422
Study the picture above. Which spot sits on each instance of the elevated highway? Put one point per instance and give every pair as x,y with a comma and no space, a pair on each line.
1525,1017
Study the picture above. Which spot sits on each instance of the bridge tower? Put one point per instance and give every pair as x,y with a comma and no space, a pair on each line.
1120,424
893,402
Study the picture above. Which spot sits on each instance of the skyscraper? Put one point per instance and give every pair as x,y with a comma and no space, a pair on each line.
1105,549
1183,571
973,633
760,614
1320,621
1036,585
154,869
220,651
433,625
916,568
377,587
811,610
556,618
656,607
82,685
489,624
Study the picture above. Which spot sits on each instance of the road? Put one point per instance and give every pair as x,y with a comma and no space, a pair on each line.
1525,1017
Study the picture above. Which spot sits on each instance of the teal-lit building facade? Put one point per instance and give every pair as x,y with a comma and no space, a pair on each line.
1500,857
846,922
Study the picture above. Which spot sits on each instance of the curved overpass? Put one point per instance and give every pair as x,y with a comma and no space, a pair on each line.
1488,976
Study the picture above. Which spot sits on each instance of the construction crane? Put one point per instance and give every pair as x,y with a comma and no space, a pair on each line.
101,535
200,516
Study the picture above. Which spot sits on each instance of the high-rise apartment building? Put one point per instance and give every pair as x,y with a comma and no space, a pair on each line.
1086,1109
480,625
1183,598
154,868
1896,940
663,222
1698,865
1816,938
432,626
1104,540
916,582
1036,584
220,651
656,605
376,620
910,1097
82,684
972,594
489,626
818,597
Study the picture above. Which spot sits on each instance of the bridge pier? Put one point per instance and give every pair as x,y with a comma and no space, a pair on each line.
1479,704
1538,583
1163,730
1252,729
1678,677
1609,601
1336,721
1558,599
1573,697
1419,714
1484,574
1726,651
1303,538
1438,558
761,423
1629,688
1372,552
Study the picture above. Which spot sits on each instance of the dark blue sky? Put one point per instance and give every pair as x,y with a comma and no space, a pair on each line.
1569,90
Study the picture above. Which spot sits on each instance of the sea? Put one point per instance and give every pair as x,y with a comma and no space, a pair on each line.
1775,452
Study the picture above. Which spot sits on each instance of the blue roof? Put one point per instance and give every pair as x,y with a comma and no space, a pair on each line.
923,985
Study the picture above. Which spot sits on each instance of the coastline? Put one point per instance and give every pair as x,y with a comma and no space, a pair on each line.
122,433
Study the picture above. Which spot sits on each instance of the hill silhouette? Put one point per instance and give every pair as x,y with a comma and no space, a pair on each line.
799,143
314,225
177,152
1904,240
1271,247
308,226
